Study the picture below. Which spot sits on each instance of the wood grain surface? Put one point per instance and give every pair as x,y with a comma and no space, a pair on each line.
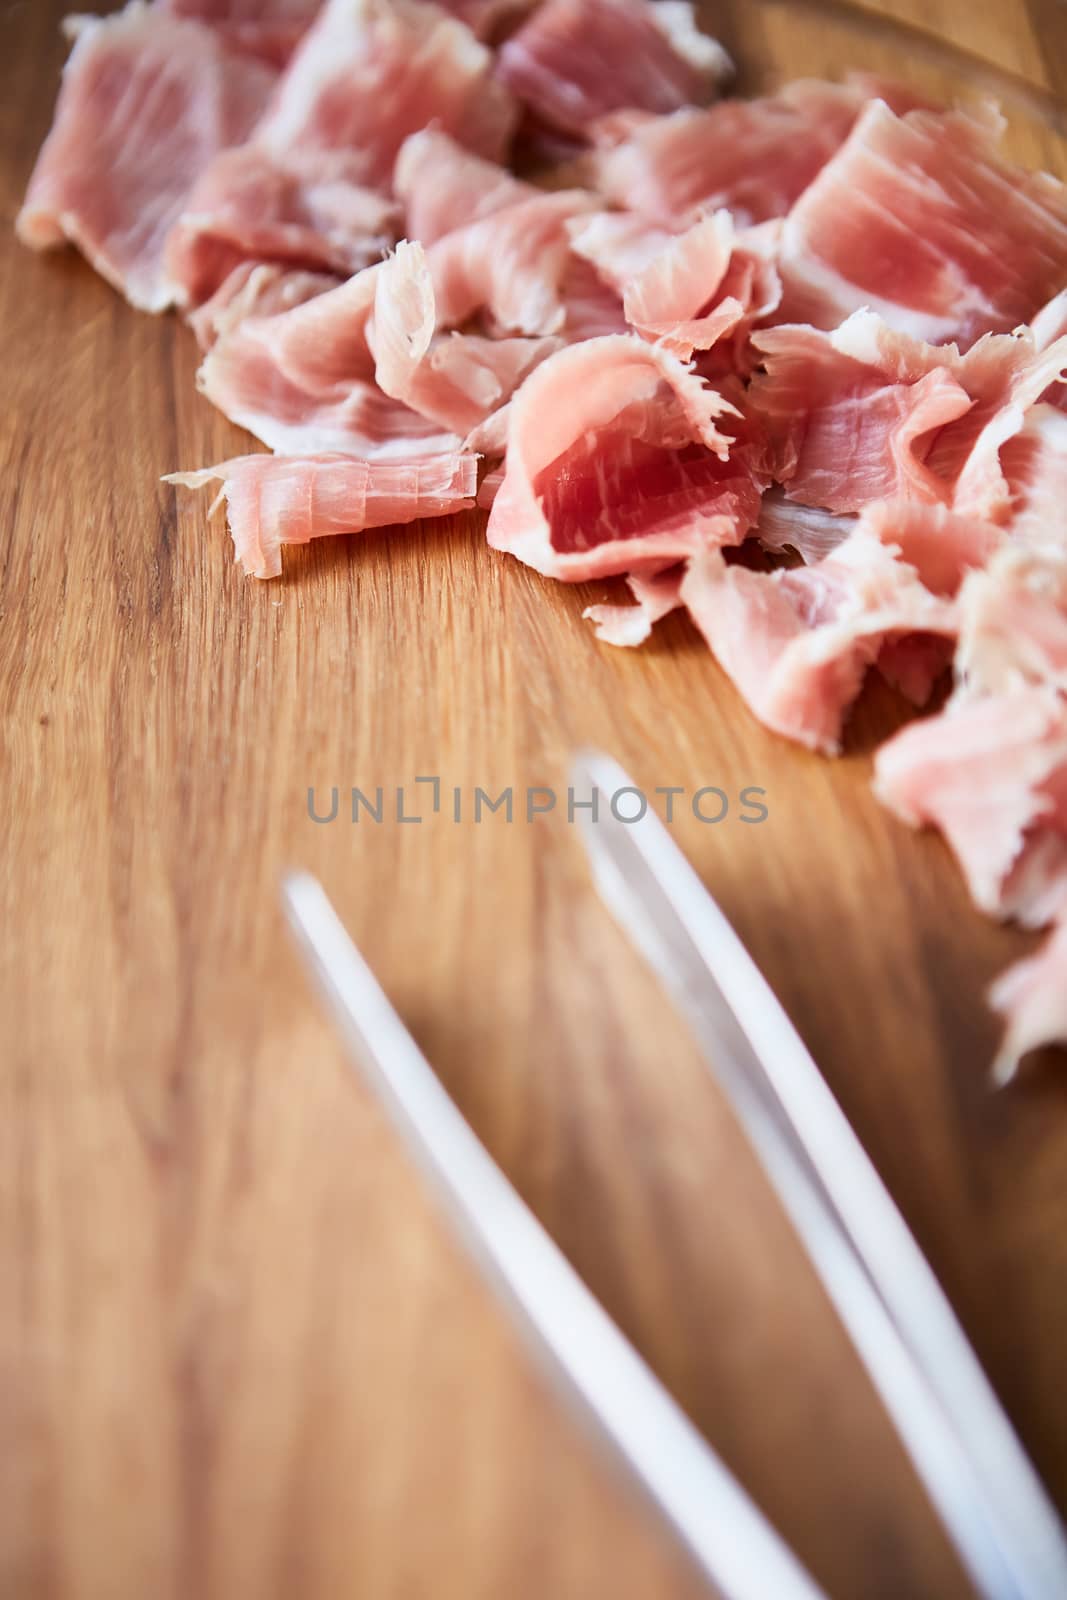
239,1355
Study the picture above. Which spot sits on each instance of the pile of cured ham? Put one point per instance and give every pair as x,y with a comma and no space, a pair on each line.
793,364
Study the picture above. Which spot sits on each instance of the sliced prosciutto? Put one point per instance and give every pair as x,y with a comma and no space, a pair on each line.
268,28
865,413
147,102
457,380
655,596
306,381
1032,998
442,186
371,72
306,211
991,774
615,460
686,290
920,218
577,60
755,157
1013,622
255,289
273,501
303,381
1048,326
798,643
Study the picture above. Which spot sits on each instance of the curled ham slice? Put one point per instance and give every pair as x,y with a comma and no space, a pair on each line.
755,157
306,210
457,380
615,461
255,289
442,186
370,72
990,772
1032,998
919,218
866,413
147,102
273,501
686,290
577,60
303,381
655,596
1013,622
1048,326
798,643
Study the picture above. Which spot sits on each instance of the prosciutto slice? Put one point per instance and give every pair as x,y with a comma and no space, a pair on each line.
308,211
865,413
371,72
457,380
304,381
919,218
1032,998
273,501
577,60
990,772
147,102
755,157
687,291
255,289
442,186
655,596
798,643
268,28
1048,326
615,461
1013,623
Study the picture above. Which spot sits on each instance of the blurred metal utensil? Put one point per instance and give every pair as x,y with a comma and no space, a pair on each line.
960,1441
724,1532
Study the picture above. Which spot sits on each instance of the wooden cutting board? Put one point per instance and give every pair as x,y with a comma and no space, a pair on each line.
239,1356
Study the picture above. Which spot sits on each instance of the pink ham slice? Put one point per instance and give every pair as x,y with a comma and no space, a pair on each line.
441,186
798,643
304,211
1033,467
920,219
268,28
754,157
1049,325
371,72
306,381
655,596
255,289
688,290
991,774
273,501
577,60
865,413
457,380
1032,998
511,267
303,381
1013,622
615,462
147,103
